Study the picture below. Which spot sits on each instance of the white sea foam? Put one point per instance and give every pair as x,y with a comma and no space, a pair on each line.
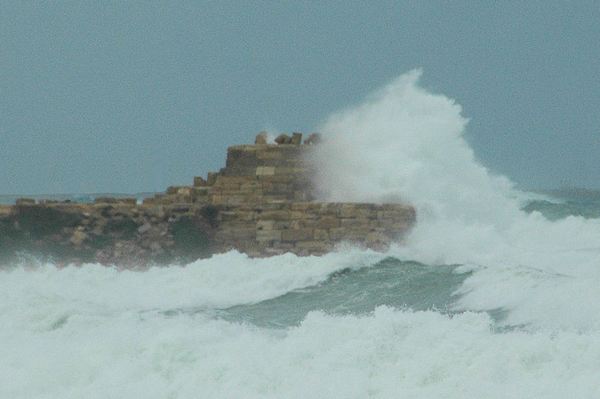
388,354
222,281
405,143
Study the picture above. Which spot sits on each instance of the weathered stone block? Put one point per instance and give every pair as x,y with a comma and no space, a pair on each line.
184,190
346,234
354,223
268,235
199,181
265,171
265,225
283,139
261,138
226,216
296,139
321,235
170,190
295,215
275,215
328,222
269,154
297,235
316,246
357,211
303,223
302,206
211,178
201,191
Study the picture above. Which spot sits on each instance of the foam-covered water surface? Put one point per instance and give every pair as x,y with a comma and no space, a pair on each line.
346,332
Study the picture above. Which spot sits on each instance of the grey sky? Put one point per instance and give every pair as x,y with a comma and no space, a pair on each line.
135,96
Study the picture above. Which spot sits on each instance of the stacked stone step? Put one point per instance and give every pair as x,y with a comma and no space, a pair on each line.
263,174
197,194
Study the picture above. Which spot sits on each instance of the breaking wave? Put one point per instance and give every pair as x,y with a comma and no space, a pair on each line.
483,299
406,144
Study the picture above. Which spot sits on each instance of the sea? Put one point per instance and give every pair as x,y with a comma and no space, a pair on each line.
495,293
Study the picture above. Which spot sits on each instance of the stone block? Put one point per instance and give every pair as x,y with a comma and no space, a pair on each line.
265,171
170,191
199,181
275,215
300,206
261,138
282,170
265,225
296,139
270,154
184,190
217,199
357,211
244,233
354,223
268,235
211,178
235,180
229,234
314,246
275,199
226,216
278,188
347,234
270,182
321,235
328,222
250,186
303,223
295,215
200,193
234,200
283,139
297,235
245,216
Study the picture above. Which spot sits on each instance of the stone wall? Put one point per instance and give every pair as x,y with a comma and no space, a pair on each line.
311,228
253,175
260,203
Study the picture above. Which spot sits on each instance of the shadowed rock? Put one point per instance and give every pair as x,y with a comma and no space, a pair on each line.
261,138
296,139
283,139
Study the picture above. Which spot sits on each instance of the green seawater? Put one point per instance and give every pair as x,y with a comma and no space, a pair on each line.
391,282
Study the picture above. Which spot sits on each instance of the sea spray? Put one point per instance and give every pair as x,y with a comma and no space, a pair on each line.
407,144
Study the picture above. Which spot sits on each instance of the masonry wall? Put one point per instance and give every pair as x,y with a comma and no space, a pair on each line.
261,203
311,228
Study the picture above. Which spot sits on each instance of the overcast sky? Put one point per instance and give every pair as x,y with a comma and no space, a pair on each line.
136,96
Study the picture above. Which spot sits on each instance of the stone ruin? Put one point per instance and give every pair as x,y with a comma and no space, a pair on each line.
261,203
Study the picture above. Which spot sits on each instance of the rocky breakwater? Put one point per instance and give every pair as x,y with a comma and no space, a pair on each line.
261,203
110,231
